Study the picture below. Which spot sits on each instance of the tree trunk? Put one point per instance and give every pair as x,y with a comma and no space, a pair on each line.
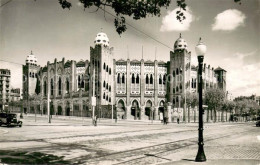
189,114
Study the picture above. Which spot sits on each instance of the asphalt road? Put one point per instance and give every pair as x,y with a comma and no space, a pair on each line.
132,142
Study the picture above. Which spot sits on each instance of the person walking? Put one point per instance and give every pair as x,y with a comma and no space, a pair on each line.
95,120
178,120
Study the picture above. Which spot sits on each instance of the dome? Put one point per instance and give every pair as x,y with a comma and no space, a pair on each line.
101,39
180,44
31,59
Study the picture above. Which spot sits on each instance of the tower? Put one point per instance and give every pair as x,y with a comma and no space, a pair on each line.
30,73
179,72
101,62
221,78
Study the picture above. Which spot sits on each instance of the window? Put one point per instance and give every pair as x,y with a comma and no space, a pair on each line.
147,79
177,99
133,78
104,96
173,90
98,40
109,71
118,78
45,88
180,70
151,79
160,79
177,71
173,101
173,73
104,66
67,85
79,81
109,88
137,79
104,84
107,98
52,87
59,85
82,84
180,86
164,79
123,78
177,89
30,75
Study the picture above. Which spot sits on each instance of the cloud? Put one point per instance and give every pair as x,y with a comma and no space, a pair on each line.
170,22
242,77
229,20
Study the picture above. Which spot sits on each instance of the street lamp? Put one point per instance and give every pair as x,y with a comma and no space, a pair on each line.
200,51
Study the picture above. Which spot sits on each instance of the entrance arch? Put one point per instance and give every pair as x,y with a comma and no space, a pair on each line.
148,110
121,112
59,110
161,110
135,110
67,109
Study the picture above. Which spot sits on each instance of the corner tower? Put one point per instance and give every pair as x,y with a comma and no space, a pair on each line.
101,65
179,71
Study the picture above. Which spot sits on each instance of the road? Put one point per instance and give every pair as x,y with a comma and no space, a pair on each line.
131,142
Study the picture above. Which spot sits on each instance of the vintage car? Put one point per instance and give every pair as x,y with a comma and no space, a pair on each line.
9,119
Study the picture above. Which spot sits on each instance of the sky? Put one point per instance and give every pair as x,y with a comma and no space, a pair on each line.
229,30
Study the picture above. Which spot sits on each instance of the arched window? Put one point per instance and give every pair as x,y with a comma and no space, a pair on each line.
104,96
177,99
147,79
173,101
104,84
133,78
104,66
173,73
160,79
151,79
82,84
67,85
195,83
109,71
180,87
107,86
177,89
45,88
118,78
59,85
192,83
79,81
177,71
137,79
30,74
164,79
52,87
173,90
107,98
123,78
180,70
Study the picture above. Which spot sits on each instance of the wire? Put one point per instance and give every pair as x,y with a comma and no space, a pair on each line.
12,62
140,31
5,3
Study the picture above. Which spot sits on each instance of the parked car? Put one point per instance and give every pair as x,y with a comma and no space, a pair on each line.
257,124
9,119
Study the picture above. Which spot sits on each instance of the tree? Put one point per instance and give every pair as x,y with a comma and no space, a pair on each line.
136,9
214,98
191,101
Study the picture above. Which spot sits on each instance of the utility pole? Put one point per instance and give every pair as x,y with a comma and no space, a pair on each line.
48,104
93,97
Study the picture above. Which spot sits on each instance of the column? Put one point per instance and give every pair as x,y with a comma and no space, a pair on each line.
156,110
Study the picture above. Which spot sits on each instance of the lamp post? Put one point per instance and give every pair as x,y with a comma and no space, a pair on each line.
200,51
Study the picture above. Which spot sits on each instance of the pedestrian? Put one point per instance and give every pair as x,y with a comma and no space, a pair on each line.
95,120
164,120
178,120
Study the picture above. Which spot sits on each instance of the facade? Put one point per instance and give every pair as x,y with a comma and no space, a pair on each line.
138,89
5,77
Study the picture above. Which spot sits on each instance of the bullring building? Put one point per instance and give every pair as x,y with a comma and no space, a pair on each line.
137,89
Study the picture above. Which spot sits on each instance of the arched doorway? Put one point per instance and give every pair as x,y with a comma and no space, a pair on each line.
135,110
67,109
121,112
148,110
59,110
161,110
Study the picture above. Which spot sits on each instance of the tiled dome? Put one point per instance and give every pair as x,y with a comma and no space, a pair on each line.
31,59
101,39
180,44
